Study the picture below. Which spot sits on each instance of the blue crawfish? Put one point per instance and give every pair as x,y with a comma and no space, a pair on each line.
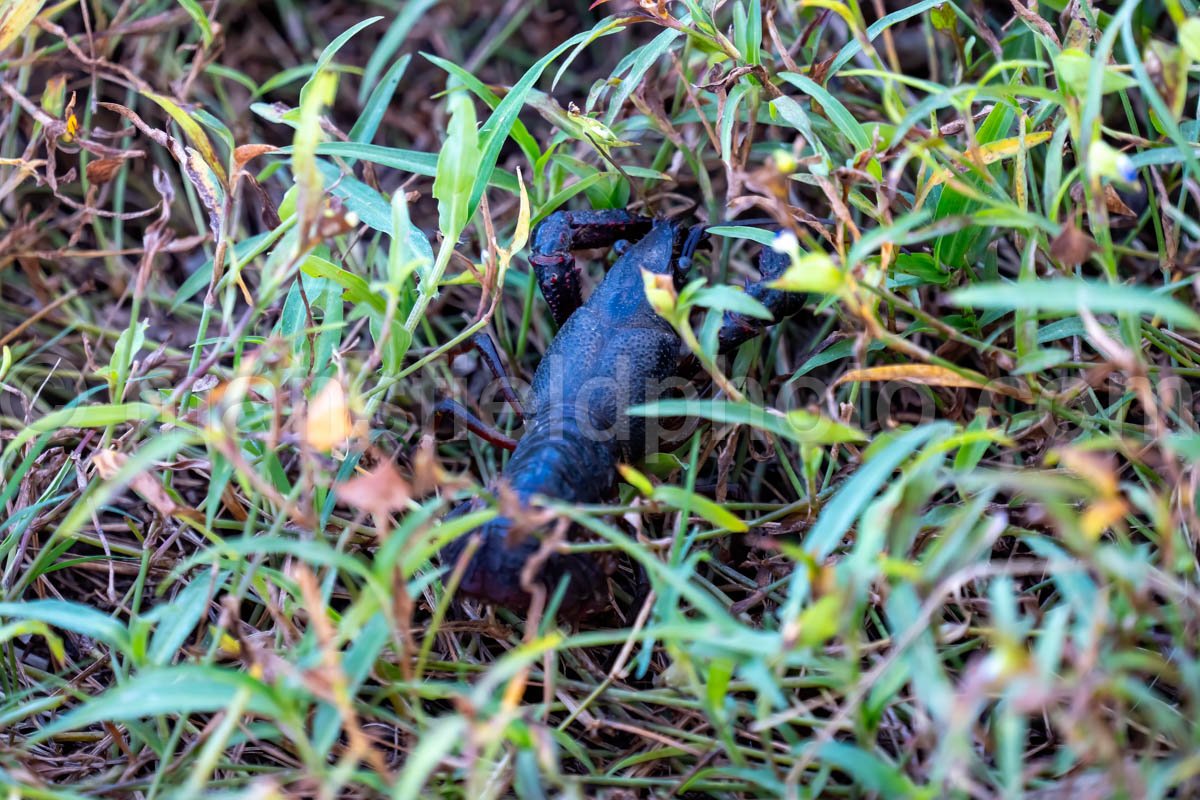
611,353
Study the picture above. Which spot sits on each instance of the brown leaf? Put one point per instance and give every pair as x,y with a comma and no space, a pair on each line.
335,220
931,375
109,462
820,70
1072,246
103,170
1112,200
1034,20
246,152
380,491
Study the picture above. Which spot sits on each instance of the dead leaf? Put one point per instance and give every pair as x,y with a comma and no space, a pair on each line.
930,375
109,462
246,152
335,220
380,490
1072,246
1112,200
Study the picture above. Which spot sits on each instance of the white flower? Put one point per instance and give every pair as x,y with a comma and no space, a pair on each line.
785,242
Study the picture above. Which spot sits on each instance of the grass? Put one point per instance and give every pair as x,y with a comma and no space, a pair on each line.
960,562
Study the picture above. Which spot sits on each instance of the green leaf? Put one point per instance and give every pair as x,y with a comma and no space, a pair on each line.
180,617
457,166
310,196
730,298
762,236
644,58
952,249
357,663
175,691
943,17
377,105
1074,69
196,12
799,426
1041,360
714,513
97,416
371,208
520,133
812,272
837,113
32,627
495,130
869,771
819,622
327,55
69,616
414,161
410,14
844,507
1066,296
357,290
1189,38
442,737
807,427
854,46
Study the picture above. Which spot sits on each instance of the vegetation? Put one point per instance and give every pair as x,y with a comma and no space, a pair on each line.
935,538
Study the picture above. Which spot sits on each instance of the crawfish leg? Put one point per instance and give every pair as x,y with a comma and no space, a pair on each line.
564,231
738,328
485,345
452,410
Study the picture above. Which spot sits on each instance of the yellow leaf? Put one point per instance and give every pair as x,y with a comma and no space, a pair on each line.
192,130
68,135
660,293
520,237
310,186
1098,470
229,646
209,186
329,423
930,375
521,233
992,152
812,272
636,479
1102,515
15,17
54,96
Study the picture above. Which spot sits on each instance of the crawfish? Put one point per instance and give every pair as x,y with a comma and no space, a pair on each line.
610,353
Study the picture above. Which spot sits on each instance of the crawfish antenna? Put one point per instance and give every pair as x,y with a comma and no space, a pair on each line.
696,234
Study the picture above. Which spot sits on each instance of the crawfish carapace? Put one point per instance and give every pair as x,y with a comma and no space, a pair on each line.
611,352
